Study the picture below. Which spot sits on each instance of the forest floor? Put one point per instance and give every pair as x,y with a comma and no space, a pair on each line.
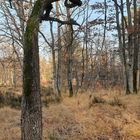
105,115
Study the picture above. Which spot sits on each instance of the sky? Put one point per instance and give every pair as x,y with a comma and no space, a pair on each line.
45,25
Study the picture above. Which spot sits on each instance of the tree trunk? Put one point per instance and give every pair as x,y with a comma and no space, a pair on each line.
127,65
14,74
31,117
55,84
83,67
121,36
69,56
130,48
136,50
59,51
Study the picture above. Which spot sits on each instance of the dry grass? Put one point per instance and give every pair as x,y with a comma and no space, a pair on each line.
72,119
9,124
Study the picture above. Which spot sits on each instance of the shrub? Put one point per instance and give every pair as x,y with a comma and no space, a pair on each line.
96,100
10,99
15,102
49,91
113,102
2,100
116,102
48,96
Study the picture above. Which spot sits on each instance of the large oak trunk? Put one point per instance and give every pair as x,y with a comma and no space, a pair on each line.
31,117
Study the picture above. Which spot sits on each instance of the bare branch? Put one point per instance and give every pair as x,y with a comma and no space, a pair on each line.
70,22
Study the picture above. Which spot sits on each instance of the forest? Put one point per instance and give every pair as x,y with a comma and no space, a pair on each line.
69,70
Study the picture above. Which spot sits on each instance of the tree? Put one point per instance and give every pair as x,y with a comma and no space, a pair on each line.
69,54
122,44
128,33
31,120
136,41
59,53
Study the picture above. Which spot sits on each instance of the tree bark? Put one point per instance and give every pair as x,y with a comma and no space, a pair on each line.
69,55
136,50
54,64
31,117
59,55
130,48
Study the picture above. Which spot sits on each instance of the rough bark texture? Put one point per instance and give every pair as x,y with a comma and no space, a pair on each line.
59,52
136,50
130,48
31,119
69,55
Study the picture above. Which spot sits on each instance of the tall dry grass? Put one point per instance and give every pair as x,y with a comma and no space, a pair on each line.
73,119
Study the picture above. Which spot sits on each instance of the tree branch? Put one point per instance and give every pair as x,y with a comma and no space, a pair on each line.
70,22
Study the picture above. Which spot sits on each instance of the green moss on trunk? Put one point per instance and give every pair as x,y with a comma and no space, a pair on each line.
31,116
31,31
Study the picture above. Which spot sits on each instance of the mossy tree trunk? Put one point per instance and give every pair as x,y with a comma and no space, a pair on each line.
31,117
